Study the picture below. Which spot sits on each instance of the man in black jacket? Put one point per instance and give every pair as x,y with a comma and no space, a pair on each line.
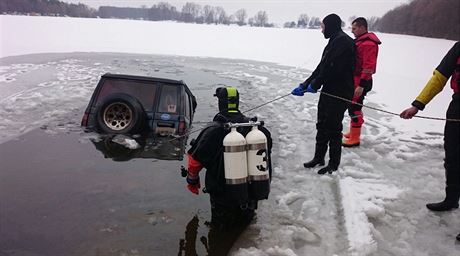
335,75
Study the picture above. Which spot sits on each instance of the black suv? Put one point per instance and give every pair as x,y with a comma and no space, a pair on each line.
126,104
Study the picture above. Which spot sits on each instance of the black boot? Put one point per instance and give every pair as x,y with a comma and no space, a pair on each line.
314,162
335,149
458,237
442,206
320,151
329,169
445,205
451,201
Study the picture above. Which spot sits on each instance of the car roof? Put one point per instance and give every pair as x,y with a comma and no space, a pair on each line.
150,79
143,78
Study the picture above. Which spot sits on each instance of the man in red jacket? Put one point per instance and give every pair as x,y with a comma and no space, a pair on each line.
367,47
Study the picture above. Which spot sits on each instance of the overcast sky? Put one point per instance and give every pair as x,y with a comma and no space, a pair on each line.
279,11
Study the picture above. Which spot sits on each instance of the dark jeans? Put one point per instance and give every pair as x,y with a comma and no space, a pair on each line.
452,145
329,129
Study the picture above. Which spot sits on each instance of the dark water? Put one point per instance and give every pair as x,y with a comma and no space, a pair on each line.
59,195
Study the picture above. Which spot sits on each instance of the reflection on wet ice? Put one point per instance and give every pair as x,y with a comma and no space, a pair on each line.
217,242
124,148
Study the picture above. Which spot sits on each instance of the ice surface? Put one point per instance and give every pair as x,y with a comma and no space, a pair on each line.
373,205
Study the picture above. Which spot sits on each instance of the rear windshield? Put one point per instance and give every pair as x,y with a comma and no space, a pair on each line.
168,99
144,91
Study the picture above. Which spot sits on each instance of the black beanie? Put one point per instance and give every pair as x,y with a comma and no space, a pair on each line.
332,25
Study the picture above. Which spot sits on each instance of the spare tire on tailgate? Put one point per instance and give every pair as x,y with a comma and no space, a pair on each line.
120,113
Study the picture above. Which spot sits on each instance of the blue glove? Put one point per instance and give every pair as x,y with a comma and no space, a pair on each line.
299,91
310,89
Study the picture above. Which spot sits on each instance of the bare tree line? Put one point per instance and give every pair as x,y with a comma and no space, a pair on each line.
430,18
190,13
46,7
304,21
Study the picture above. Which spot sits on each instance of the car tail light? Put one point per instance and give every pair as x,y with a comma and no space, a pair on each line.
181,127
84,120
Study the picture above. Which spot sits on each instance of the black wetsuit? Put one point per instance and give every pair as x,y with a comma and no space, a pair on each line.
335,74
208,150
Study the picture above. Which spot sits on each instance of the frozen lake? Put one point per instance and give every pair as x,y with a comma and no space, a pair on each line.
60,196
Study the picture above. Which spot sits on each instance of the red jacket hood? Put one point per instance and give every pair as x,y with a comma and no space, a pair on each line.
369,36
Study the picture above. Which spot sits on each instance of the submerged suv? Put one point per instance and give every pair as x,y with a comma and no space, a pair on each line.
126,104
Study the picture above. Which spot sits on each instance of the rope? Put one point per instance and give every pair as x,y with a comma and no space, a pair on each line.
330,95
256,107
266,103
389,112
186,134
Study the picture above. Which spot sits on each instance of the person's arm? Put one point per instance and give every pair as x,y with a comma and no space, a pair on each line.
202,154
370,50
193,174
439,78
194,166
195,163
431,89
436,83
313,75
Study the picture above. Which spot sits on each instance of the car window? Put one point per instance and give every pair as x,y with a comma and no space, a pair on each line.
168,99
143,91
187,103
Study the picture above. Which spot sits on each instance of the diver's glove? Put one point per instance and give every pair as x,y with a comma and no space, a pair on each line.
193,184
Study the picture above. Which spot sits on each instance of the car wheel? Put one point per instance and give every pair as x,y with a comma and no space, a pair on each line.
120,114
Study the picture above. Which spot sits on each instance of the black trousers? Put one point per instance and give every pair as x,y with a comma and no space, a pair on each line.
452,147
226,216
329,129
355,111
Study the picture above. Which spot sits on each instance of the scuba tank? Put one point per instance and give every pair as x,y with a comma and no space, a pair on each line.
235,166
258,173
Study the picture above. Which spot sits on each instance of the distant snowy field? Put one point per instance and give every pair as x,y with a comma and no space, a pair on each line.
374,204
405,62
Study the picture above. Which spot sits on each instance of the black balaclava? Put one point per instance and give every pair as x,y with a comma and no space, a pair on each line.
228,99
332,25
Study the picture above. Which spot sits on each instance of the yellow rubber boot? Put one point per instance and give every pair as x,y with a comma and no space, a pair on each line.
354,138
